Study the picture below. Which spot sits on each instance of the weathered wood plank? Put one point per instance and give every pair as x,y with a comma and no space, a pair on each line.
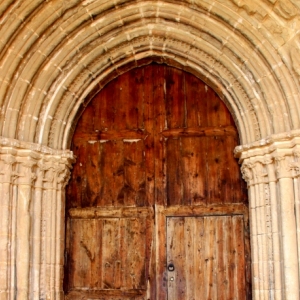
134,174
82,253
221,261
208,263
200,131
199,252
149,123
196,103
195,210
113,173
109,212
110,253
213,170
112,135
175,98
93,183
193,178
160,117
229,257
175,174
189,266
177,284
135,254
106,295
238,228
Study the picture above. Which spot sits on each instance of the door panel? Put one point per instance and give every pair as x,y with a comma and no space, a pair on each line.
154,139
208,257
108,253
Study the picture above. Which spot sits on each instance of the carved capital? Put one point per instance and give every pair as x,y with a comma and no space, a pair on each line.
278,157
25,172
284,166
53,171
254,172
260,173
247,173
7,169
64,177
34,165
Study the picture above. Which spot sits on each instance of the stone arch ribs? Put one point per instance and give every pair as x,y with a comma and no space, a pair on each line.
55,53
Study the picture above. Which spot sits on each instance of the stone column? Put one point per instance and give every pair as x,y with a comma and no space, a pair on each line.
271,169
32,183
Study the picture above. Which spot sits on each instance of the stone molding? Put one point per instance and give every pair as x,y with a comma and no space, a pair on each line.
32,183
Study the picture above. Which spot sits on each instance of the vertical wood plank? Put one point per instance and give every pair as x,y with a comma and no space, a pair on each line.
174,172
161,254
196,102
135,256
113,173
74,189
213,170
149,123
93,183
189,257
82,252
193,158
110,253
176,255
199,251
228,251
238,225
208,263
134,174
159,100
175,98
135,117
222,279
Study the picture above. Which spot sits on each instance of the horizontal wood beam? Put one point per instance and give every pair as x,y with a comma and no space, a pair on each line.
98,294
192,210
99,212
140,134
201,131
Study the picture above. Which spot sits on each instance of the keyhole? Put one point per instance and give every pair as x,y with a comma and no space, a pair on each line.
171,267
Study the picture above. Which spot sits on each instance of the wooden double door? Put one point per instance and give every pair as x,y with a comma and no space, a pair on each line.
156,207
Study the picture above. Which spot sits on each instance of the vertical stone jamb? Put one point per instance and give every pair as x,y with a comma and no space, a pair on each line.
274,215
32,183
24,178
36,232
284,165
276,292
6,166
63,176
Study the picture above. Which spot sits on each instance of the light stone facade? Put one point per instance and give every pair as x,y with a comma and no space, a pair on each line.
56,54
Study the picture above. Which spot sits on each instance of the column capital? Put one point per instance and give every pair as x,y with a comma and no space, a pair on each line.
275,157
34,164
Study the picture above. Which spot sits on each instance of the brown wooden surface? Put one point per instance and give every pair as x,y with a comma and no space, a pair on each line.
155,143
203,270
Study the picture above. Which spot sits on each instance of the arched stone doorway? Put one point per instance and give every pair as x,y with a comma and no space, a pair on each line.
53,54
156,205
